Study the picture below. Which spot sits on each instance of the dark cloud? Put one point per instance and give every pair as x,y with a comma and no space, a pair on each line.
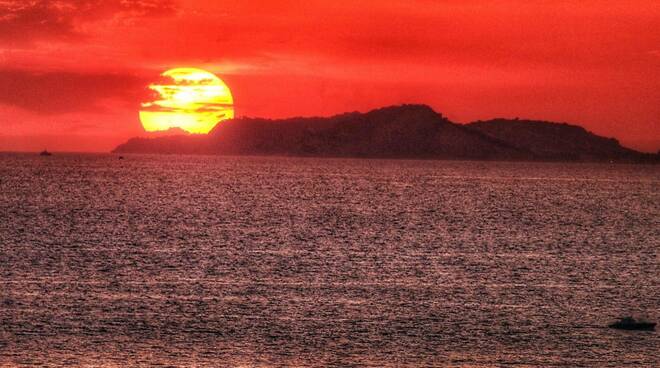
26,20
62,92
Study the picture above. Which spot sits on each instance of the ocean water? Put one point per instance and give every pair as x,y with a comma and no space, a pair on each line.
196,261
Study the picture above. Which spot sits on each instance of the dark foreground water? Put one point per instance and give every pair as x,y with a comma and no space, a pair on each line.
270,262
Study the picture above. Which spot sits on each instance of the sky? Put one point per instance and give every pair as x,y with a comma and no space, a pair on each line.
73,72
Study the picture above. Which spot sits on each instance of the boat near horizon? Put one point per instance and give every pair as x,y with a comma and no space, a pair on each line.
631,324
45,153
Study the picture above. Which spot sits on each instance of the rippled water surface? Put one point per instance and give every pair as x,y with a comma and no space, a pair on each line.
271,262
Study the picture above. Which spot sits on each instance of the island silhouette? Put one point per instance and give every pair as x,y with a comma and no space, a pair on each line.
405,131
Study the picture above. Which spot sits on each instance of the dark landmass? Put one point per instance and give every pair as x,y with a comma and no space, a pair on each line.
407,131
555,141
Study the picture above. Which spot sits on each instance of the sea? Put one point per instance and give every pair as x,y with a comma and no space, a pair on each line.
211,261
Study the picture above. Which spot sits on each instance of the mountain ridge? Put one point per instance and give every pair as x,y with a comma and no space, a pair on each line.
403,131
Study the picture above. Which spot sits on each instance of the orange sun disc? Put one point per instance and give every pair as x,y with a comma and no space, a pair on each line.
187,98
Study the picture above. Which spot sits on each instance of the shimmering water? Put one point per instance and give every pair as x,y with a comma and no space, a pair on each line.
272,262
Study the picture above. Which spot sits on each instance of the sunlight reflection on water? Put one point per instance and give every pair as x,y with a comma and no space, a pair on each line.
269,262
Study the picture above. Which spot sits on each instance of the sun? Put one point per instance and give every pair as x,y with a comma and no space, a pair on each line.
187,98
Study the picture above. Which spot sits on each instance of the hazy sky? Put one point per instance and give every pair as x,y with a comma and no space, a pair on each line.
73,72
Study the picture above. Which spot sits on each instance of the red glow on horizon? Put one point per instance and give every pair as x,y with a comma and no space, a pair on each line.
74,78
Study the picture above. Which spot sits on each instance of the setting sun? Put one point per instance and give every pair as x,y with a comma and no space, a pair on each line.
187,98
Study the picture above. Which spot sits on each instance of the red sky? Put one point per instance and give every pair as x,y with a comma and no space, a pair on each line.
73,72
